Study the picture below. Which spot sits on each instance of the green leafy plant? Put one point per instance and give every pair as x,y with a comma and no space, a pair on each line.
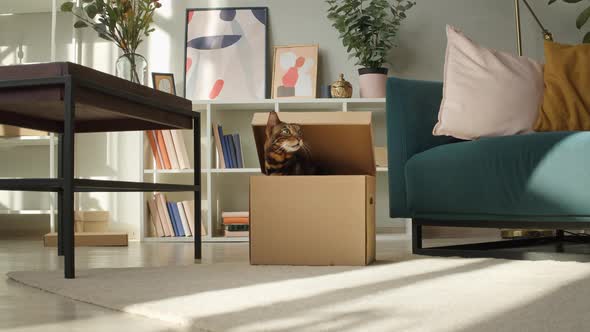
124,22
582,19
368,28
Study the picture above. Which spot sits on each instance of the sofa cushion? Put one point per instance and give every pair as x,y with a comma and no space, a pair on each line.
545,176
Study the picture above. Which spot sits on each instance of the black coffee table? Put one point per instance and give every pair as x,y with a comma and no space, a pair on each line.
66,98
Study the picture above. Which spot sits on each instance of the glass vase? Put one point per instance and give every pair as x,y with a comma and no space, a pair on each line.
132,67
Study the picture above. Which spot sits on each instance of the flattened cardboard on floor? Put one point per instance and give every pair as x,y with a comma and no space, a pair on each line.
90,239
324,219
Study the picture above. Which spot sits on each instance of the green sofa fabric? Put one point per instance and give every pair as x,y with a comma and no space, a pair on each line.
538,176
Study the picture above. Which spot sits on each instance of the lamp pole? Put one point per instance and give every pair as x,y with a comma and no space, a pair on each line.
518,28
546,34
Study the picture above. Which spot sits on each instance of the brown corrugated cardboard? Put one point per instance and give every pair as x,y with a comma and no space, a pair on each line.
92,221
11,131
341,142
322,219
92,215
91,239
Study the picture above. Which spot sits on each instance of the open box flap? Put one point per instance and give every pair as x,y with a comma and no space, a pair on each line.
341,143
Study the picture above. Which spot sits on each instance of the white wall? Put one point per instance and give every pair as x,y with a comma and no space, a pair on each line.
420,55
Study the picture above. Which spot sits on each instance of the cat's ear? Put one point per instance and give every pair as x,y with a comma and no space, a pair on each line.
273,120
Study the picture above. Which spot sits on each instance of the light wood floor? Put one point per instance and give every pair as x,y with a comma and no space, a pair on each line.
26,309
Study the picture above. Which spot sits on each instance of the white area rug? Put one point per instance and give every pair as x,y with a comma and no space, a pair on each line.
431,294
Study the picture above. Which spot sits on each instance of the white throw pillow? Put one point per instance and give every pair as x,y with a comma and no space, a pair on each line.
487,92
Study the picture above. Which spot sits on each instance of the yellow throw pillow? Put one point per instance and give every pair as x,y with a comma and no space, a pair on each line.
566,103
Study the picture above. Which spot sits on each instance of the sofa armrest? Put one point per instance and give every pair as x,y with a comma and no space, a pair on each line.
412,111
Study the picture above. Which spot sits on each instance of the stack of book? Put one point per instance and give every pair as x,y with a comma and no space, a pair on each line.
172,218
229,148
169,149
236,224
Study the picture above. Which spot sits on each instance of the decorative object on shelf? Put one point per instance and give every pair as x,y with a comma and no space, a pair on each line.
231,44
164,82
341,88
326,91
581,20
368,29
295,70
124,22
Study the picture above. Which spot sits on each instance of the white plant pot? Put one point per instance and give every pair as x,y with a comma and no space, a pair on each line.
372,82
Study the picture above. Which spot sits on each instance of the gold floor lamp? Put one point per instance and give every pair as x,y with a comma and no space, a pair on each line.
515,233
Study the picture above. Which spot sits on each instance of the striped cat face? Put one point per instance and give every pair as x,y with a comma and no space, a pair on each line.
283,136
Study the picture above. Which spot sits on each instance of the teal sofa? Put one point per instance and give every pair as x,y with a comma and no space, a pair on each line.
538,180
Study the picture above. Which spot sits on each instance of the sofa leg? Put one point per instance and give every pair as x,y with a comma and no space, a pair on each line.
416,236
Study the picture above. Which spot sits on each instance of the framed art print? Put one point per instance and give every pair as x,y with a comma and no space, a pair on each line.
164,82
225,53
295,71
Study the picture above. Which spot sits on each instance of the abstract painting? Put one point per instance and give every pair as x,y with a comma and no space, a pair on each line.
295,71
226,53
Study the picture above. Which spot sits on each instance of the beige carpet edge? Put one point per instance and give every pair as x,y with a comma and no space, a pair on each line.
17,276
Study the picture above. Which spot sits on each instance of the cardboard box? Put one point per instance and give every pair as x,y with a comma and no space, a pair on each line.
91,239
92,221
320,219
11,131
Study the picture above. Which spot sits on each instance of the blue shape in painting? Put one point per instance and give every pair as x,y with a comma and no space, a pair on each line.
227,14
213,42
260,14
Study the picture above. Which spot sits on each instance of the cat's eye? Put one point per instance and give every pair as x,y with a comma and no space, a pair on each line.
285,131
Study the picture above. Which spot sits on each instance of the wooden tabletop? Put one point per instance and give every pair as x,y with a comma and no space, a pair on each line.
103,102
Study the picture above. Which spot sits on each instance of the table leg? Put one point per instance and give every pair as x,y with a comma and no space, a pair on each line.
68,181
60,196
197,182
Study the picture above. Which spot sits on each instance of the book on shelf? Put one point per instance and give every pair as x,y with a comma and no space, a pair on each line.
170,149
153,139
189,208
180,149
229,148
226,151
155,217
238,150
237,228
236,234
183,219
235,214
173,218
232,151
162,149
217,135
236,220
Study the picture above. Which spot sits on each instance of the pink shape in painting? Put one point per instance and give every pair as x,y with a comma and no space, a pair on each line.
216,90
292,75
189,63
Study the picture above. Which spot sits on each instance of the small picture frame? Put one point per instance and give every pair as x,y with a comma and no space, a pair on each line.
295,71
164,82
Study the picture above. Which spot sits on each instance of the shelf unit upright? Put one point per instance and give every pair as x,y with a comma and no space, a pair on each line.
226,189
23,142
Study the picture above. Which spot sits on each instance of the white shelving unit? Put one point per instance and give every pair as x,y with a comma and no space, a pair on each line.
227,187
35,141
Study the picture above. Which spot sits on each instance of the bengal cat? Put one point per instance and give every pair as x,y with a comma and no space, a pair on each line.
285,153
